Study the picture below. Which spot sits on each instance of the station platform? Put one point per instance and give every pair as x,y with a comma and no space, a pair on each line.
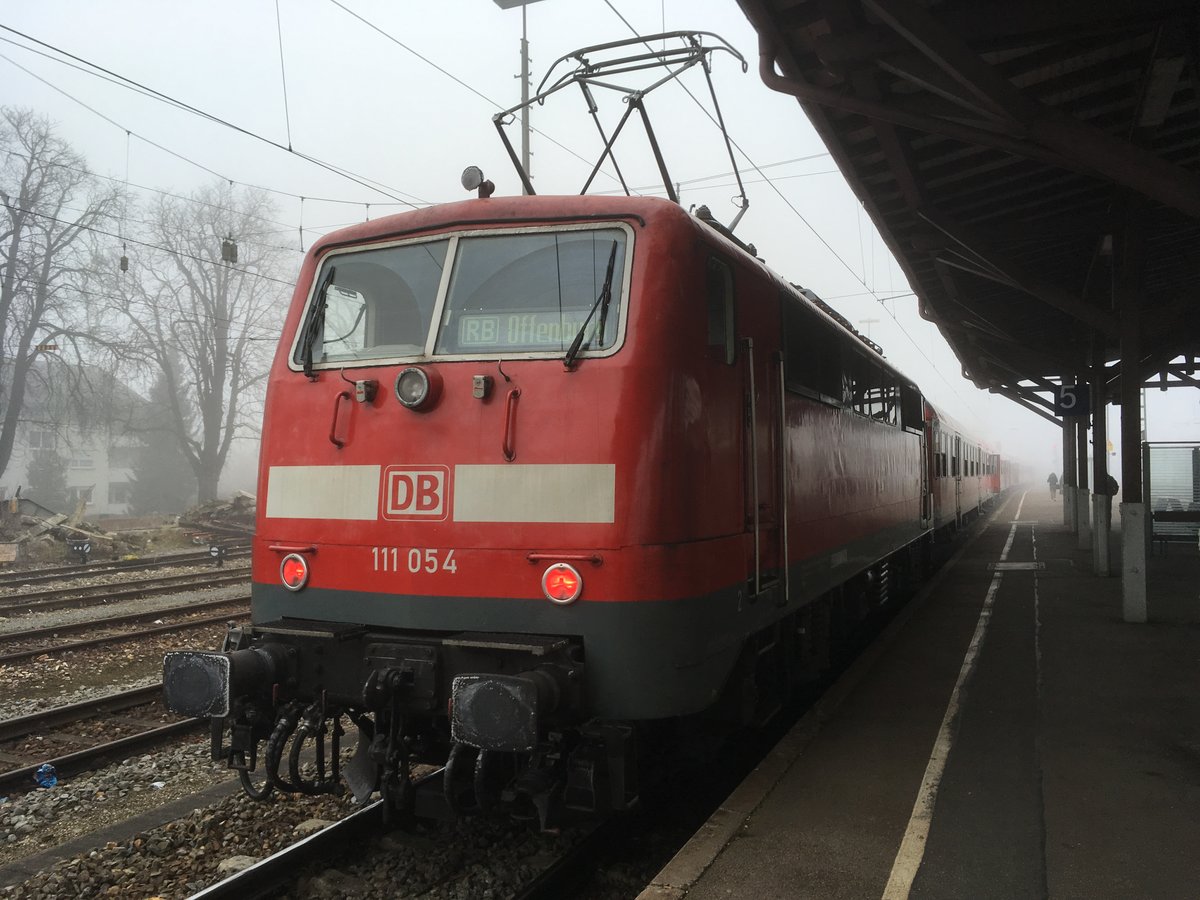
1008,736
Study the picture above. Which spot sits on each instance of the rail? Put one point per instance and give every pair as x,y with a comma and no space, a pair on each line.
80,760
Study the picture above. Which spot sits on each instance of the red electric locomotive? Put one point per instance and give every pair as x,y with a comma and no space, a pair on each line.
536,469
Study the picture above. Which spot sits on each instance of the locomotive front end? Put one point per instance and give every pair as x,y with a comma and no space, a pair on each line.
436,504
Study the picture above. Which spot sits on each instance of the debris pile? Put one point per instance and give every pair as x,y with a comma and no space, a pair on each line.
30,531
231,518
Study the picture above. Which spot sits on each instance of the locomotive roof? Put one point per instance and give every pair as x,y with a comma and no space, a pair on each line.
503,210
949,423
500,210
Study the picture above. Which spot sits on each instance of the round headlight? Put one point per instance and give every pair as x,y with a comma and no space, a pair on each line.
416,388
293,571
562,584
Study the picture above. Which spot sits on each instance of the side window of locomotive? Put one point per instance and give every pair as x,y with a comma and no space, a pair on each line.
911,413
719,306
812,353
534,292
379,303
874,392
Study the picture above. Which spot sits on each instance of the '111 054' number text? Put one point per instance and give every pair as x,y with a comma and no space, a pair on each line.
395,559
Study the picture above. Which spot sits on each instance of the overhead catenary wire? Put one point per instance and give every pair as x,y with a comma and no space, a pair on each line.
266,334
659,190
282,227
744,154
132,85
247,237
806,223
287,116
458,81
137,87
101,231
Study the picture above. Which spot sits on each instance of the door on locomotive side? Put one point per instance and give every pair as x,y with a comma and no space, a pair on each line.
755,312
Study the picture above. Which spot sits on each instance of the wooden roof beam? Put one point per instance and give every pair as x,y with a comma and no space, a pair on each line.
1011,274
920,72
1041,383
1096,150
1024,357
986,21
1021,399
891,112
1169,184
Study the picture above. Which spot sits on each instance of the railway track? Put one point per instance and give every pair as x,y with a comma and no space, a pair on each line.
275,875
573,871
51,574
133,733
236,608
90,595
272,876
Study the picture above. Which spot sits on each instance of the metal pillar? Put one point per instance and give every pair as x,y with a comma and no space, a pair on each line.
1083,516
1133,508
1067,481
1101,508
527,179
525,98
1146,502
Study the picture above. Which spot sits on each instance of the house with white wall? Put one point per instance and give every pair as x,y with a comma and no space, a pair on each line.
93,430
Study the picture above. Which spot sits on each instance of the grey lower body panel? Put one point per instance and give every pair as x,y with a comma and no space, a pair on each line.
644,659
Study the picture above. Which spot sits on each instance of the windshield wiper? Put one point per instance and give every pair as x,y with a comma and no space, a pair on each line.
316,321
601,303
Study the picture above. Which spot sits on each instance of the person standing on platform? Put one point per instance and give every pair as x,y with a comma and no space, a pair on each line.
1052,480
1110,490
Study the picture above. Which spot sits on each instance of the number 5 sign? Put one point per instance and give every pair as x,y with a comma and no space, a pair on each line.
1072,400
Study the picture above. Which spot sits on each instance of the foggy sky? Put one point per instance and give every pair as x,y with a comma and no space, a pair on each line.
357,99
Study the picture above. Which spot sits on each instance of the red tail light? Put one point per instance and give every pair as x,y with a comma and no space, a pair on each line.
293,571
562,584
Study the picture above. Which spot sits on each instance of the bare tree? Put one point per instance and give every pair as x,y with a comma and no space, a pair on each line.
51,204
206,323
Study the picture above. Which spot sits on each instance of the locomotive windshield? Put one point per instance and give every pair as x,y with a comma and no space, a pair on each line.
505,293
530,292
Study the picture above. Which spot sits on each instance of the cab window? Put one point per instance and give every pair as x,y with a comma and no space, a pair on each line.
378,303
534,292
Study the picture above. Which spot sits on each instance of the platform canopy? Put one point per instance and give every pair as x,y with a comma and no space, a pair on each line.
1034,165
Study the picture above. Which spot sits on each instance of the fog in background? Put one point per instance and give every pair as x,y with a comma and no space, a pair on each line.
401,95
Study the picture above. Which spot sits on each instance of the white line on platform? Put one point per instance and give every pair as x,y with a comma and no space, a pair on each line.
912,848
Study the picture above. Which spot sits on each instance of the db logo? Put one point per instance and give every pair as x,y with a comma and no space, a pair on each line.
415,493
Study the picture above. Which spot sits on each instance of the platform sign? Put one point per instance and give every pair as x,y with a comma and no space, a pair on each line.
1072,400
